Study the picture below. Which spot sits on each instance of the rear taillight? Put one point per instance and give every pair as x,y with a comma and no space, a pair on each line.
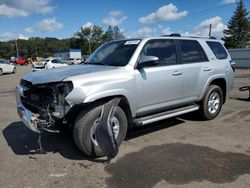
233,64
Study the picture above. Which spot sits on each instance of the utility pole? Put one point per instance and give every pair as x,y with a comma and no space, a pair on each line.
17,51
89,46
210,30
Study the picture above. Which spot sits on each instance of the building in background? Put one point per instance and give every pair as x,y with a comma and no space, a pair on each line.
68,54
248,45
241,56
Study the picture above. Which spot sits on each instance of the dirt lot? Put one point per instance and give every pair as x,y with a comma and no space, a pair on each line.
181,152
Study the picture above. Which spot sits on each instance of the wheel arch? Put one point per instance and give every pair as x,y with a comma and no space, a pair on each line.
219,81
124,104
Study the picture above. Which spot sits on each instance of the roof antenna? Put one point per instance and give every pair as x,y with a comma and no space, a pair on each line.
210,30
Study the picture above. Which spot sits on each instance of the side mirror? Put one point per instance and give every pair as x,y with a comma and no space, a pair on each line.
147,61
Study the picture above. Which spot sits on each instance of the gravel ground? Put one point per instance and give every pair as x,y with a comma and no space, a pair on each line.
180,152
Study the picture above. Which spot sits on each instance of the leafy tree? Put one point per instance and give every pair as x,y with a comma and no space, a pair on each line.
118,35
7,49
113,34
238,33
96,37
108,36
85,35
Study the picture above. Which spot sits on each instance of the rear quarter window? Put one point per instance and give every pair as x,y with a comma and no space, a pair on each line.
218,50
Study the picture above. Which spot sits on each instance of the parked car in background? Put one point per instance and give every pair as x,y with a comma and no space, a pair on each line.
73,61
21,61
48,64
6,67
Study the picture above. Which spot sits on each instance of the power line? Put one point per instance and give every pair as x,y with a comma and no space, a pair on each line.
209,10
196,13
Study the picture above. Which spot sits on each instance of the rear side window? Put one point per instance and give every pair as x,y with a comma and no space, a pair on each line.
165,50
218,50
192,52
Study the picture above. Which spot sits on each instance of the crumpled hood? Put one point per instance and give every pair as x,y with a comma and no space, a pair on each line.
59,74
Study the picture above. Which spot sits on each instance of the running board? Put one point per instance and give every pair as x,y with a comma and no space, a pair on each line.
165,115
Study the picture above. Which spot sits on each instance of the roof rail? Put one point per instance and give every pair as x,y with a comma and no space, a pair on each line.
172,35
200,37
179,35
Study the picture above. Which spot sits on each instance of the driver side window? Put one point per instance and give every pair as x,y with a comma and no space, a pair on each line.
165,50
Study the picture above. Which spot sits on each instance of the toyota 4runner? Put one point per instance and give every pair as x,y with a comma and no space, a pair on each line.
154,79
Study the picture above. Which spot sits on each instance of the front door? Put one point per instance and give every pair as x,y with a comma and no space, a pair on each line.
160,85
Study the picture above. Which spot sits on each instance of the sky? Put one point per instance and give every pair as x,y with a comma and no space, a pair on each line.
142,18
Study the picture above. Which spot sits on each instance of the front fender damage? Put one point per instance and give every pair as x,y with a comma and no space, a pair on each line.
104,132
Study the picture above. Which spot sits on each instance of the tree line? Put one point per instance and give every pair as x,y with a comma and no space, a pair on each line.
87,39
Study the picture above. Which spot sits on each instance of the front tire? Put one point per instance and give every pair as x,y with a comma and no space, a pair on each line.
84,130
1,72
212,102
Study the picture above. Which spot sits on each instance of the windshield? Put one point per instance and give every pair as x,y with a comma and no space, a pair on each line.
116,53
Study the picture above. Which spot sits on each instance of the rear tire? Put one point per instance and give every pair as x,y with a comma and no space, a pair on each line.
1,72
84,125
211,103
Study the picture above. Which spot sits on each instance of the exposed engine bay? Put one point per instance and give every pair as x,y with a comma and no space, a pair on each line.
46,101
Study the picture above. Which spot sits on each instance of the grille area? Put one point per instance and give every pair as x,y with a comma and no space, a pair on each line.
36,99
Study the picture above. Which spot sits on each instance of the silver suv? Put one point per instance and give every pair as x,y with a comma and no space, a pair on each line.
154,79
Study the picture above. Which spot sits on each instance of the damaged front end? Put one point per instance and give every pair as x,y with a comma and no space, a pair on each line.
40,106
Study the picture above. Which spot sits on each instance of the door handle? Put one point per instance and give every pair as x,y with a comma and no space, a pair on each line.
207,69
177,73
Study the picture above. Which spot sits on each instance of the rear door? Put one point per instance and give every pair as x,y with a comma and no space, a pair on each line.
196,68
159,86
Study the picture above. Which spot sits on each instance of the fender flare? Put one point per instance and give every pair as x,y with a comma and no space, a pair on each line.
209,81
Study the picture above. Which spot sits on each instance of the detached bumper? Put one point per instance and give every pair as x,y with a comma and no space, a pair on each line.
28,118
